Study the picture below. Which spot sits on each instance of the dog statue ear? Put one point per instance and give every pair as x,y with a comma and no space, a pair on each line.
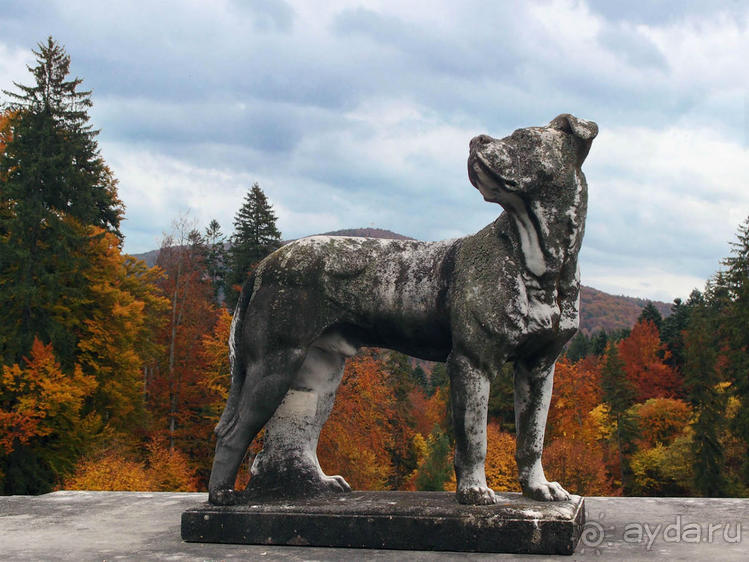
584,130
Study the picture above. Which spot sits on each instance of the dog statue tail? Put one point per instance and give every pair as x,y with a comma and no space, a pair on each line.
238,373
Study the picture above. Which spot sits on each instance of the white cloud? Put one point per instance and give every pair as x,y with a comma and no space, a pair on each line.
13,63
637,281
663,206
704,52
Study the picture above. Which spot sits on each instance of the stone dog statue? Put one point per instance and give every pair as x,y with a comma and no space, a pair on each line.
507,293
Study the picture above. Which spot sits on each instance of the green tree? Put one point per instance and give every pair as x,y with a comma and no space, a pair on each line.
650,312
419,376
52,179
438,378
700,379
64,282
216,259
619,394
672,330
255,236
580,347
735,331
501,403
436,468
600,343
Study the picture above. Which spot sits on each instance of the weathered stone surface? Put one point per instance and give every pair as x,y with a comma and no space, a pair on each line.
395,520
507,293
146,526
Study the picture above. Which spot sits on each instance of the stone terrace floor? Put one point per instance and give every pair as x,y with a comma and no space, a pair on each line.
140,525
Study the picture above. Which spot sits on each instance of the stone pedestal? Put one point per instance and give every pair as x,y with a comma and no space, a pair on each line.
395,520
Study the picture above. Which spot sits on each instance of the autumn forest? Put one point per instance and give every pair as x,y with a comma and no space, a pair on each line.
114,372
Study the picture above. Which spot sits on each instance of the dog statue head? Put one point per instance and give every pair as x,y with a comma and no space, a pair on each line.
530,159
535,175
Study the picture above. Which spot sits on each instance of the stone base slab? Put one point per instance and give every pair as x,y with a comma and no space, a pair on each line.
395,520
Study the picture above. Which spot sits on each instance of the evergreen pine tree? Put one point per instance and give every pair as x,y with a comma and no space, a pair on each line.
52,179
700,380
63,278
649,312
53,160
419,377
672,330
438,378
735,331
216,258
255,236
600,343
579,347
619,395
501,405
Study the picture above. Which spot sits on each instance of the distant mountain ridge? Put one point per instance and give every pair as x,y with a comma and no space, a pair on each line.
598,310
368,233
602,311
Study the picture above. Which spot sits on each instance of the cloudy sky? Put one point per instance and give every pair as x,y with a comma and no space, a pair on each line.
358,113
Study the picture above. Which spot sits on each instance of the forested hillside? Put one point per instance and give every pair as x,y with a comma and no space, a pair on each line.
602,311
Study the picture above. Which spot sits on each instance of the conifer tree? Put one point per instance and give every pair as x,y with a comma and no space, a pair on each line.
579,347
600,343
701,378
216,258
438,378
672,329
649,312
619,395
52,178
735,330
255,236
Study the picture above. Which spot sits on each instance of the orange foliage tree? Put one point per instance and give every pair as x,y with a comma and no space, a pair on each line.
214,379
501,467
357,436
119,315
661,420
428,411
41,412
118,469
578,466
645,357
577,391
574,454
109,472
217,370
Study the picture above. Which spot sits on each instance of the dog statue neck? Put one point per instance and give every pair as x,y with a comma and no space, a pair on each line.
549,233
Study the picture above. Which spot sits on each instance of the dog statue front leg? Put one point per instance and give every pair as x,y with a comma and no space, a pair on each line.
532,397
469,392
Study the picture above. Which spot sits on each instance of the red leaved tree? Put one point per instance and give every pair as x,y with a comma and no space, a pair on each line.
645,364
